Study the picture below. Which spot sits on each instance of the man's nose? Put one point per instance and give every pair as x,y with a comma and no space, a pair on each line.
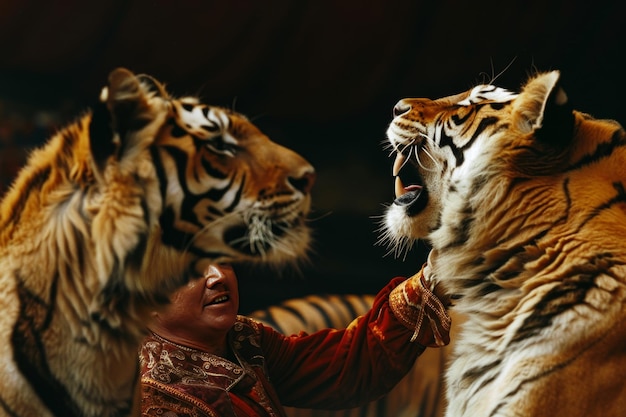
213,275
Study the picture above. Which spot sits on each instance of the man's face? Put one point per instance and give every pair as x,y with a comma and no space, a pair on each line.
205,307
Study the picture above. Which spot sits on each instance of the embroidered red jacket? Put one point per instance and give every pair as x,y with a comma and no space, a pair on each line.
329,369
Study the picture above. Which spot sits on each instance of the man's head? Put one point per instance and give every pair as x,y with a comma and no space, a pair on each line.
202,311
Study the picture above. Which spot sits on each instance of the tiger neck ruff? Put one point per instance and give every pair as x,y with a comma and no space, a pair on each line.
114,213
523,200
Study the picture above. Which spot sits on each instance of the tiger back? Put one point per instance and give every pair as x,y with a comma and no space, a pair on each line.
110,216
523,200
419,394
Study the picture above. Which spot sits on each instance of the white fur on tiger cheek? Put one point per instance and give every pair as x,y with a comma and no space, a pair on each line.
477,160
399,226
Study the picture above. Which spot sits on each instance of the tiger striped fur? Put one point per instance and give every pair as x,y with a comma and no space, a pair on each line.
419,394
524,202
109,217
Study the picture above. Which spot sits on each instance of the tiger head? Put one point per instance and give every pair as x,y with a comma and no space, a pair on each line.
228,193
487,167
155,187
432,141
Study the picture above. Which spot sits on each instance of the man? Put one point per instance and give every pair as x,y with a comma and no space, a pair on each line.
203,359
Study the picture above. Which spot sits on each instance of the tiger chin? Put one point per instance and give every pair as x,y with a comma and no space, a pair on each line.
109,217
523,200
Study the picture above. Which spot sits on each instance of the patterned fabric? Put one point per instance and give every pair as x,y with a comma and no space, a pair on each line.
181,379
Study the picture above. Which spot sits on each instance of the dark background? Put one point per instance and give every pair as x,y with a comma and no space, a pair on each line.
320,77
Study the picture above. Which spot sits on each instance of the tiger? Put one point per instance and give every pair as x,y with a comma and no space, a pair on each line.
419,394
110,216
523,201
313,312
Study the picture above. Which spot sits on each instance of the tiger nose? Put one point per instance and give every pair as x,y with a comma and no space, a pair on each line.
400,108
304,182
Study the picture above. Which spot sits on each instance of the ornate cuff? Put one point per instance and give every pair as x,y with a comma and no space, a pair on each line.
415,306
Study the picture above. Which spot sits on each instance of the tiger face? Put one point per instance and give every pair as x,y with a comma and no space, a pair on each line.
523,200
229,188
431,143
111,215
244,196
228,192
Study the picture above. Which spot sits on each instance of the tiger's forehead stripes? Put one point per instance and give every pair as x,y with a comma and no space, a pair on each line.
201,120
482,93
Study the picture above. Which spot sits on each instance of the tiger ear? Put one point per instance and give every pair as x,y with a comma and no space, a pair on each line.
154,85
542,107
127,105
128,101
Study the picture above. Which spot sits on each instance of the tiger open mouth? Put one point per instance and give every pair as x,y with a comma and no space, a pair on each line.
411,193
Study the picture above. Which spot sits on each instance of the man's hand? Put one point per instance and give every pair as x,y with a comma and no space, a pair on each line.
415,305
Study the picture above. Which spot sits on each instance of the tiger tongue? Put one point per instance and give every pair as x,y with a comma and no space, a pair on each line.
400,189
409,197
414,199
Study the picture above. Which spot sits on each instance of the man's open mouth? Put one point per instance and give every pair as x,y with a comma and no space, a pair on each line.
410,190
219,300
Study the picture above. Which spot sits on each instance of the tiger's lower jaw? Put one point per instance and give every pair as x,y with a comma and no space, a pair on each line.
272,242
401,224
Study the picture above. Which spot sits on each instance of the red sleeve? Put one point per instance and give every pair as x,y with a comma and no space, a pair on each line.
342,368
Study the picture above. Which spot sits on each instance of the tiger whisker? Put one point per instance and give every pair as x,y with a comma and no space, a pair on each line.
387,147
494,78
205,228
320,217
398,247
257,117
436,165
